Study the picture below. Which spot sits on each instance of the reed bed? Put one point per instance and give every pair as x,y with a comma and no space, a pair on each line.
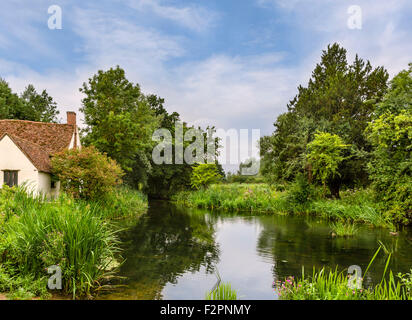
265,199
77,236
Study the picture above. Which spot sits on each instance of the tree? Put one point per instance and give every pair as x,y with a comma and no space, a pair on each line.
164,180
340,99
86,173
41,107
204,174
390,133
28,106
119,120
11,107
325,156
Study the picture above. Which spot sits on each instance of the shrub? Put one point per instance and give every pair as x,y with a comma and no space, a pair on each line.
86,173
204,174
301,191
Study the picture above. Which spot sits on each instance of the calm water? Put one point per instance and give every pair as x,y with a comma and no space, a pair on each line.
172,252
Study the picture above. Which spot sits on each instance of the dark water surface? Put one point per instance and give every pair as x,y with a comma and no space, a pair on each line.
172,252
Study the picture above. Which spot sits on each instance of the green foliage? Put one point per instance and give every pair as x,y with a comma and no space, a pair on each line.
300,192
22,287
204,174
63,233
340,99
30,105
390,133
325,156
76,235
323,285
40,107
120,121
358,206
223,292
86,173
344,229
118,118
122,202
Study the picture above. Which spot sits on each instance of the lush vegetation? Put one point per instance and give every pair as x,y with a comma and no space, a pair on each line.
86,173
204,174
75,235
335,285
353,206
120,122
224,291
390,133
348,128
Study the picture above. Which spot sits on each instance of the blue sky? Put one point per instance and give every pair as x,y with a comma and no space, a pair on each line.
228,63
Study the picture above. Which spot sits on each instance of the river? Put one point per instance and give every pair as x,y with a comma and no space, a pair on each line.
173,253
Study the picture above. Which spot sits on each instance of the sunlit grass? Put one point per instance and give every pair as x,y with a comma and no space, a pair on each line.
223,292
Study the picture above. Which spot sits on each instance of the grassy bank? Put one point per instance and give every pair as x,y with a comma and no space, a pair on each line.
335,285
354,207
77,236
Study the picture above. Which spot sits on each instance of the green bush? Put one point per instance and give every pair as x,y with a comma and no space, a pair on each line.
86,173
300,192
204,174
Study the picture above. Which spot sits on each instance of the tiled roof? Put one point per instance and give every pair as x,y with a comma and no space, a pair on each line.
38,140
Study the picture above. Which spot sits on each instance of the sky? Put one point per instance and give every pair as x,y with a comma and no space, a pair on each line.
227,63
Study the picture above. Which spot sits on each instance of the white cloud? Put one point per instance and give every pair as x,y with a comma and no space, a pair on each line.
228,91
192,17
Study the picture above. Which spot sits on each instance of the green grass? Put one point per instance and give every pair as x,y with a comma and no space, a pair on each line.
76,235
342,229
353,207
223,292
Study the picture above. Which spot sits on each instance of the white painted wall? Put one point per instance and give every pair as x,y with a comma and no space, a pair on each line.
12,158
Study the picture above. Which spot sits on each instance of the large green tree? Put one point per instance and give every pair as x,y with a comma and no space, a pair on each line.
119,119
340,99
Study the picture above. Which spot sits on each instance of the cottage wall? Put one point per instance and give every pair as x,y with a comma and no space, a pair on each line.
12,158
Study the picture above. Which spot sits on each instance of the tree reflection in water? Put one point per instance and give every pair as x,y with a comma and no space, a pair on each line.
162,246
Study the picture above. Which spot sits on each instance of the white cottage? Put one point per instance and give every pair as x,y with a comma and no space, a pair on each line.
26,148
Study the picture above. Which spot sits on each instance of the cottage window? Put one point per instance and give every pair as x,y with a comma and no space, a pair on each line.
10,178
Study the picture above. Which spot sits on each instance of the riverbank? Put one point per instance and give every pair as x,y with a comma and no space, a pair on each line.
78,237
353,207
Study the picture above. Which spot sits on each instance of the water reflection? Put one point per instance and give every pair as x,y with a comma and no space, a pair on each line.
172,252
161,247
294,242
